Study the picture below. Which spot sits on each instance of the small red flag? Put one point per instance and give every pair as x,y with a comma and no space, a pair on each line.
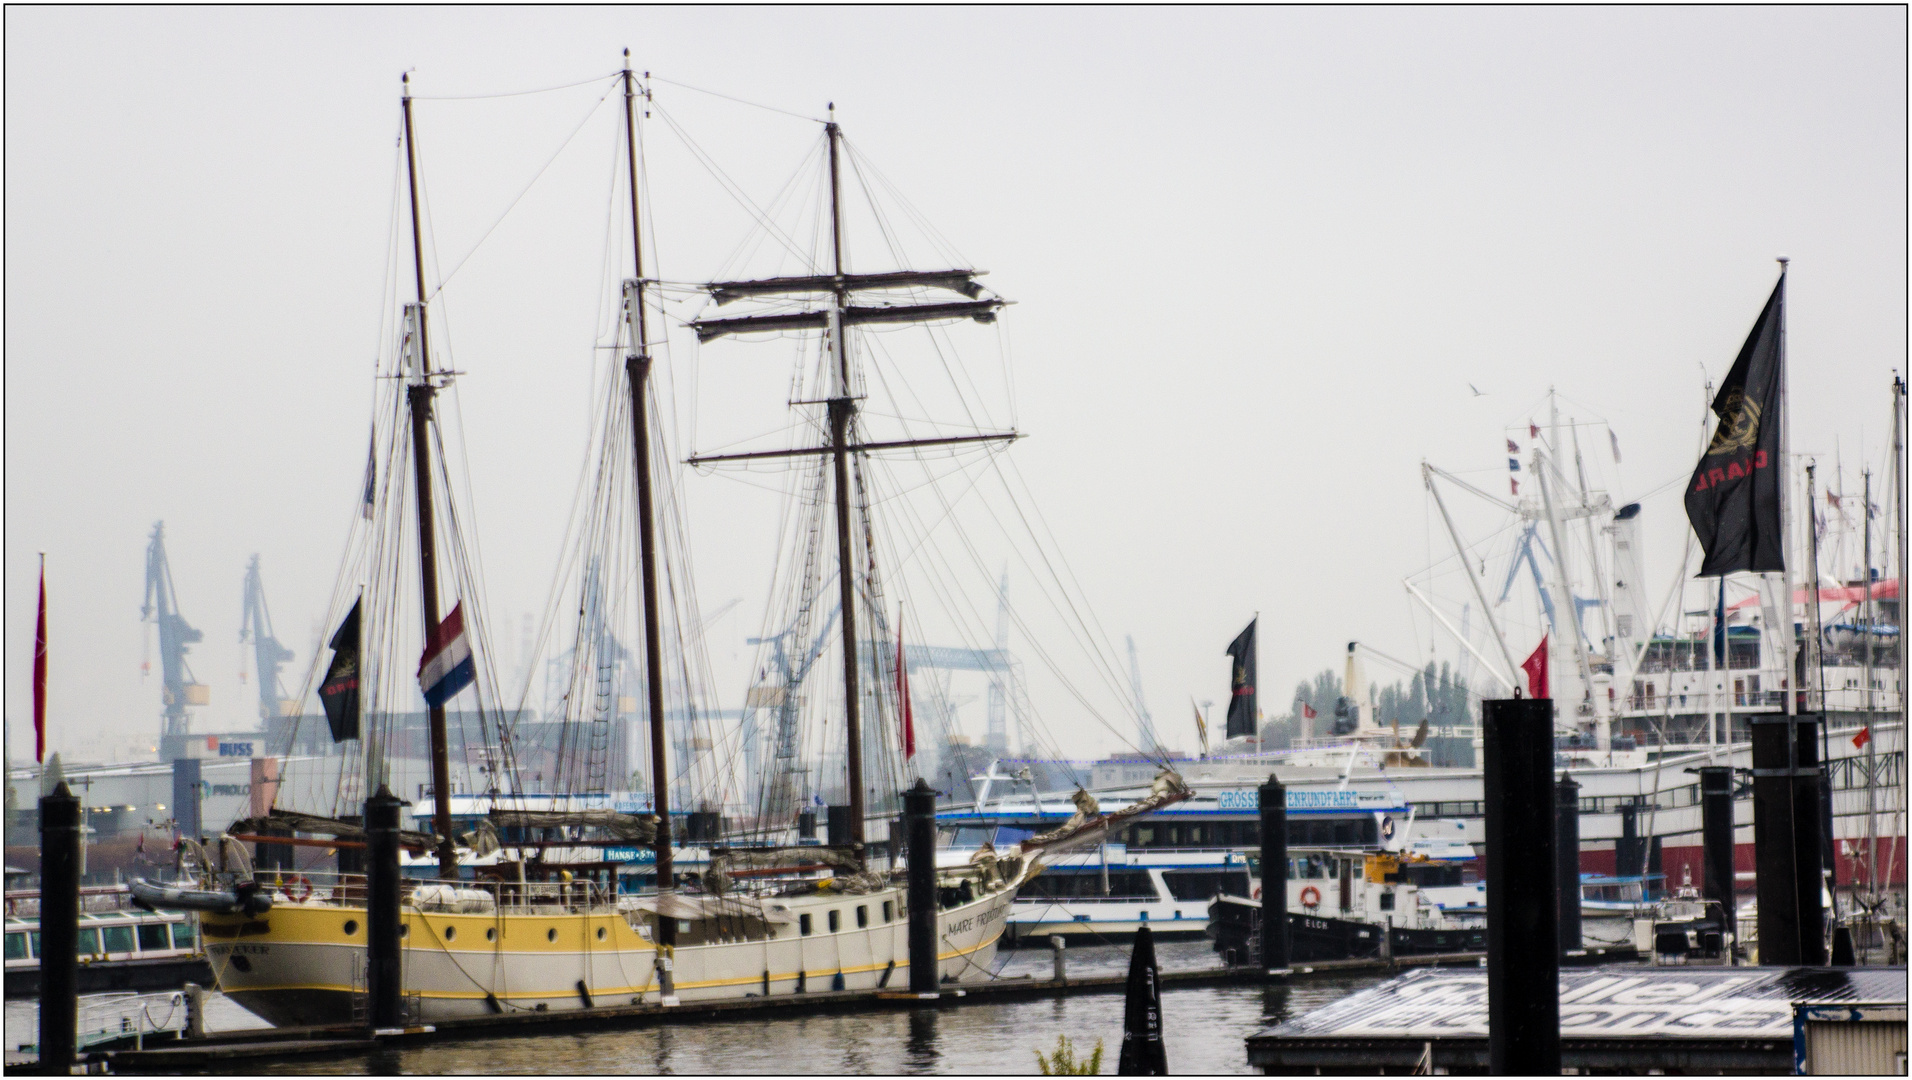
1513,447
1536,668
1515,484
39,672
1307,710
1533,430
903,692
1860,740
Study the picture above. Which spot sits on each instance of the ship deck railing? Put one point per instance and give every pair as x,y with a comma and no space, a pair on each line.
125,1017
483,895
490,895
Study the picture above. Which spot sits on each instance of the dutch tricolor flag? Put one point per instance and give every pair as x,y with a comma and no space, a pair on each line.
447,665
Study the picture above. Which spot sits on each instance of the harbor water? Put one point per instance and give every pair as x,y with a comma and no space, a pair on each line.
1204,1028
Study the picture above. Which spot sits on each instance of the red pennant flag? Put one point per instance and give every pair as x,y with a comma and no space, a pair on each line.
1533,430
1307,710
1515,484
39,672
903,691
1860,740
1513,447
1536,668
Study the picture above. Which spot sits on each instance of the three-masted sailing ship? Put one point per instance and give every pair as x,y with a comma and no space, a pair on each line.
537,934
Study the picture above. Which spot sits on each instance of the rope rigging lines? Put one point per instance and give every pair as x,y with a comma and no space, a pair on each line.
929,528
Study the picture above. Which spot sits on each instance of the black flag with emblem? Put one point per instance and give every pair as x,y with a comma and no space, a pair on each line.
1241,683
339,693
1733,499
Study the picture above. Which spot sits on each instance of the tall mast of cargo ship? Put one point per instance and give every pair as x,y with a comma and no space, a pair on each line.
637,371
834,320
418,393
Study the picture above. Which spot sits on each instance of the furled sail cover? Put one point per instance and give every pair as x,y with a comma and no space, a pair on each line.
324,826
678,906
630,828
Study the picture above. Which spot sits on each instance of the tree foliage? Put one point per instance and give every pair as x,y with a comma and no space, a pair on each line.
1063,1061
1435,694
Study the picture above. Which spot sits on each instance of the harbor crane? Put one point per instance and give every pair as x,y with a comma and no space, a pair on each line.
161,607
1146,740
255,626
785,784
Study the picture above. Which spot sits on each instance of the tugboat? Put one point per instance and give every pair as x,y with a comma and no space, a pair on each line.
1347,905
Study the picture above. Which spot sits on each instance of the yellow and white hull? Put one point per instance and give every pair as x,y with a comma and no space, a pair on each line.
304,963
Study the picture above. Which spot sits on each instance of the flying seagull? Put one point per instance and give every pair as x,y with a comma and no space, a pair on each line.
1478,392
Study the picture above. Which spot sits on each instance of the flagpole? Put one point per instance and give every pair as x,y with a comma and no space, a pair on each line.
1788,644
1712,668
1726,659
1816,644
39,672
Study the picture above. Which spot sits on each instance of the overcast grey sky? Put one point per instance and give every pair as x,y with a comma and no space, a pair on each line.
1257,255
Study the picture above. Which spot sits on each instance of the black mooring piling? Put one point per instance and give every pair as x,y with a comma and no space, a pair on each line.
59,929
919,812
1567,862
1809,831
384,970
1772,840
1274,876
1716,838
1523,955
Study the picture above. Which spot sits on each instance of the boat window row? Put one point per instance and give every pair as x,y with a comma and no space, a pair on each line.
834,918
1328,832
1125,882
1331,832
104,940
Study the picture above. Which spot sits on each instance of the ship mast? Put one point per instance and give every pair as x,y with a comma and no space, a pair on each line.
637,370
418,394
835,320
842,409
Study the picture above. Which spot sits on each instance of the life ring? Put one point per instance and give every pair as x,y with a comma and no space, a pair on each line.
304,893
1311,897
1257,892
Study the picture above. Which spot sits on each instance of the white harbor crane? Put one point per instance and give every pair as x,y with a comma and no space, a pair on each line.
1145,738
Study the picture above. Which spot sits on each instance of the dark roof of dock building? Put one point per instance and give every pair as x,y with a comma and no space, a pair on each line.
1628,1018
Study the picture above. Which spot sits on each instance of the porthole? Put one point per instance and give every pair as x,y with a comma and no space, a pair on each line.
600,933
451,932
491,933
405,930
351,927
551,934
